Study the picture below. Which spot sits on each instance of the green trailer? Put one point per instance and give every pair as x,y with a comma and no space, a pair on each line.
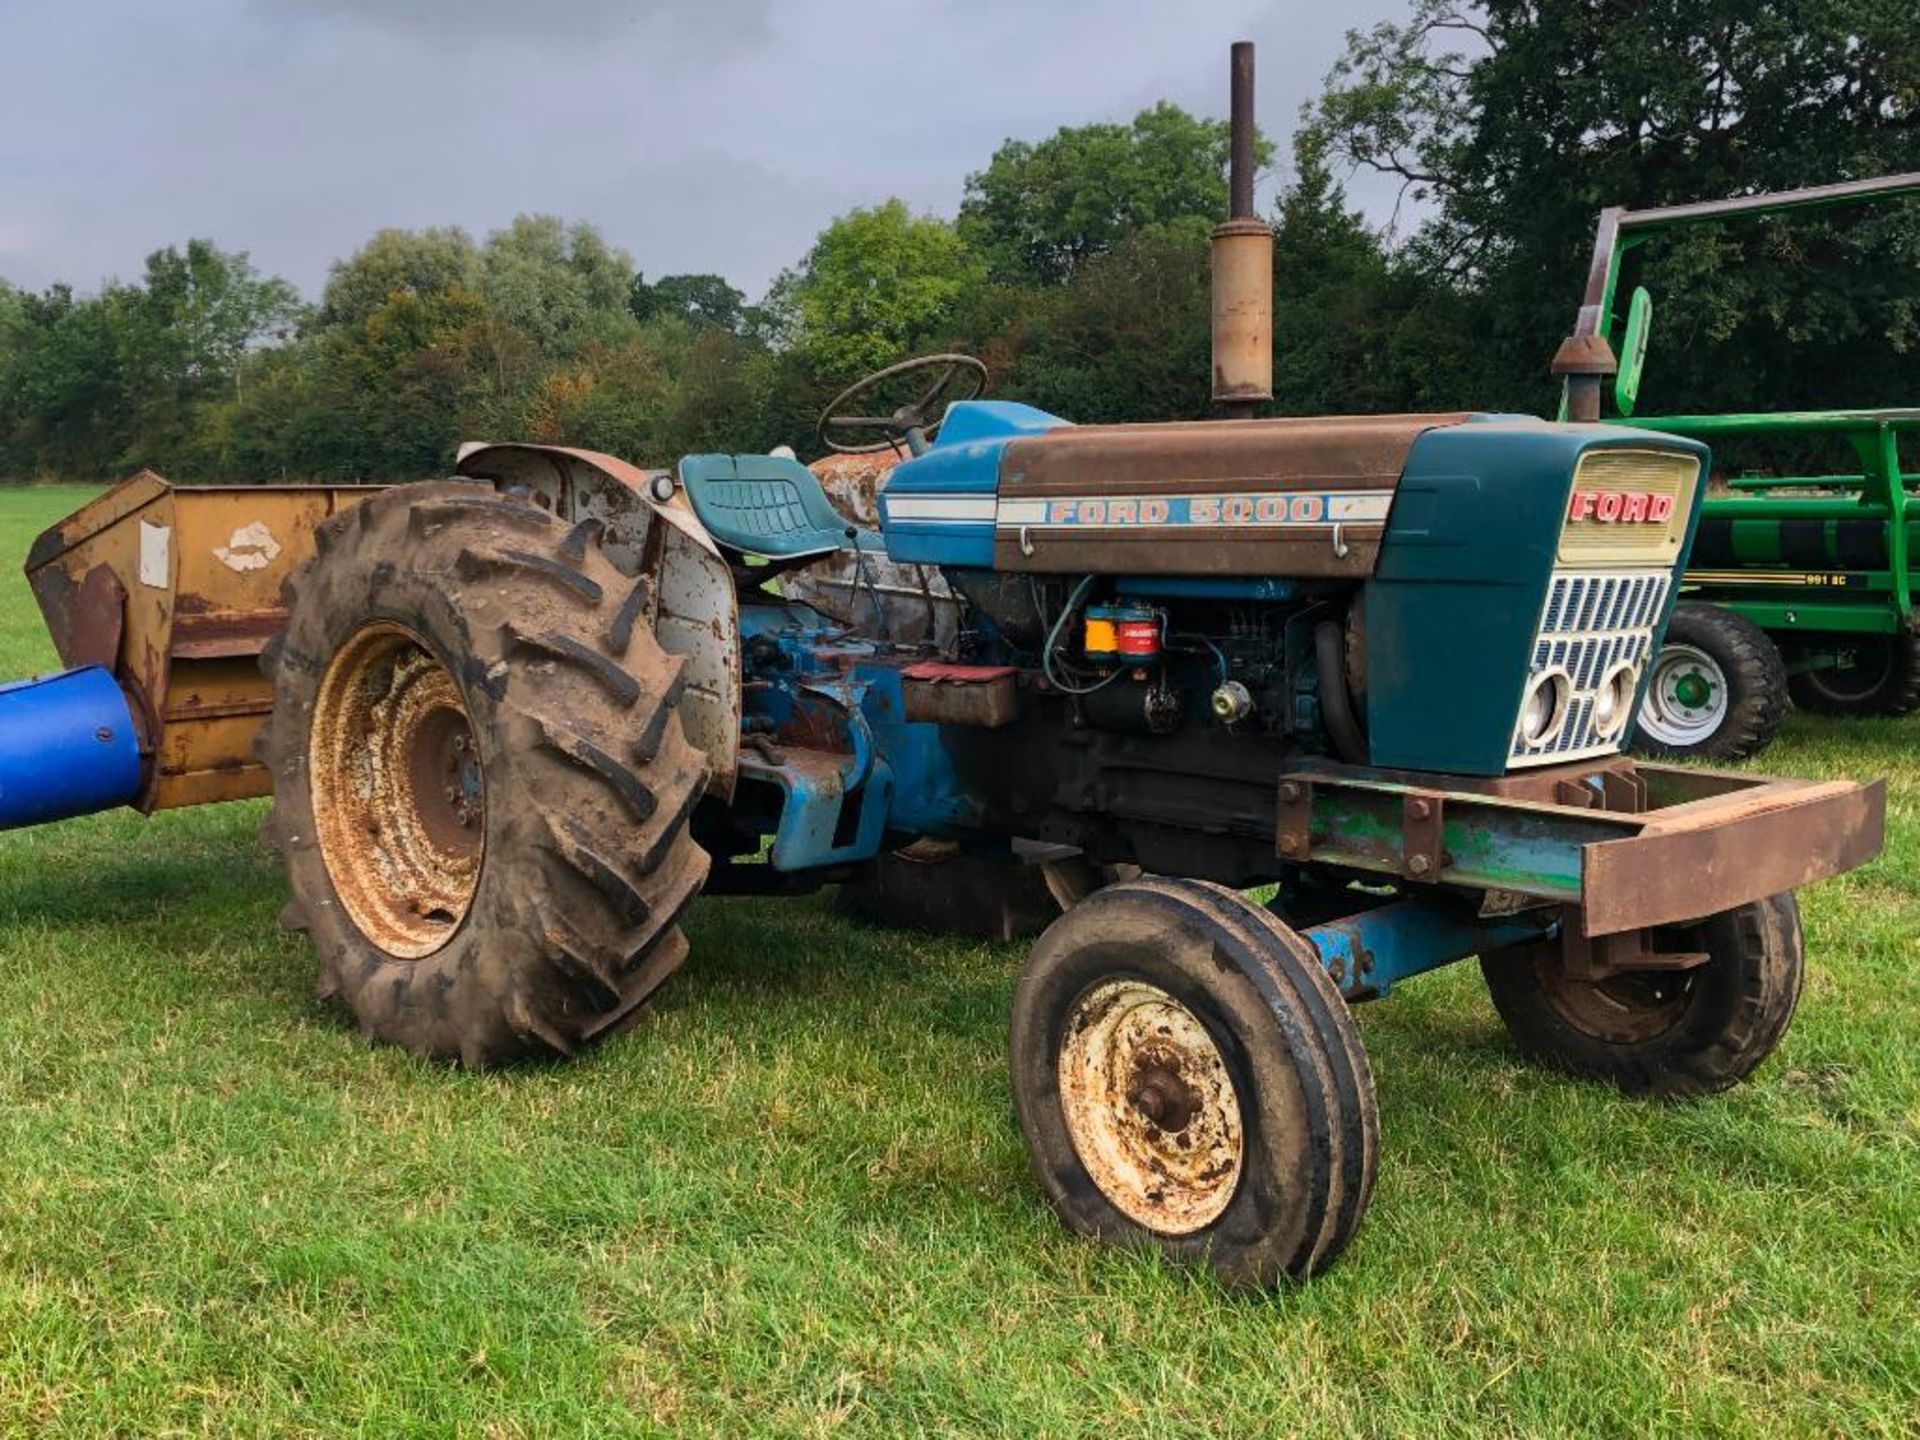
1799,585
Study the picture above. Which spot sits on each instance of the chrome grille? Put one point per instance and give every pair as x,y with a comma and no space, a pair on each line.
1591,621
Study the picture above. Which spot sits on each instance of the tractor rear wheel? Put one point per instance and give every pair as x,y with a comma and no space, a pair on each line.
481,787
1671,1033
1875,675
1718,690
1188,1078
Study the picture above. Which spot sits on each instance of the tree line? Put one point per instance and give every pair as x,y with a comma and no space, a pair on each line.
1077,268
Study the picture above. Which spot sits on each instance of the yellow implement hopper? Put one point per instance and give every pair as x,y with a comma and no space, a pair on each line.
175,590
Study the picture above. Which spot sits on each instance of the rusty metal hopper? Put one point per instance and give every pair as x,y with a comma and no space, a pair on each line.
176,590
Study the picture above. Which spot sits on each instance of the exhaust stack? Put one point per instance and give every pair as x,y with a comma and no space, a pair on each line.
1242,269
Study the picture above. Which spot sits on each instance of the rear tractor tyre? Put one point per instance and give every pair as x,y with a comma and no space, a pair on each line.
1670,1033
1718,690
481,786
1877,675
1188,1079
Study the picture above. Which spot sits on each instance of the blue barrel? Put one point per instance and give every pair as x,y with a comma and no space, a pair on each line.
67,747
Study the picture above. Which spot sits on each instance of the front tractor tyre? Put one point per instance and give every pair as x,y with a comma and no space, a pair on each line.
1189,1079
1671,1033
1718,690
1872,675
481,786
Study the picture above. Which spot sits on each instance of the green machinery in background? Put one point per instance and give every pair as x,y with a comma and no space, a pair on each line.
1799,585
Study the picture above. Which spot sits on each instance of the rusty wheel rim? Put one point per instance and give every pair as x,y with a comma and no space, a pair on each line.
1625,1009
399,800
1150,1107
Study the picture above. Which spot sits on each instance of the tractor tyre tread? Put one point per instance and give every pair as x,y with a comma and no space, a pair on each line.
1744,1000
1320,999
1261,989
590,781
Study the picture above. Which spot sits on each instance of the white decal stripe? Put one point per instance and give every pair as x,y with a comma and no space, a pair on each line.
1352,507
1297,508
1358,507
978,508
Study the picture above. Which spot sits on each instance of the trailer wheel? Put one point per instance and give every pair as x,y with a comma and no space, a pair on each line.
1877,675
1188,1078
1718,690
1671,1033
481,787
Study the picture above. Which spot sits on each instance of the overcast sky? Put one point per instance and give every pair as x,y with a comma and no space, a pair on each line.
699,135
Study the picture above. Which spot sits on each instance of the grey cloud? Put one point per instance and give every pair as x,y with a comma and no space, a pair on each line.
696,134
682,24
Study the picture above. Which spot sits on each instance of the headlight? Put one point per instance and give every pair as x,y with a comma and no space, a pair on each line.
1614,700
1544,709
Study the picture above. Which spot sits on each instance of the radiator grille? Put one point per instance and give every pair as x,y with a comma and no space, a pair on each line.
1591,622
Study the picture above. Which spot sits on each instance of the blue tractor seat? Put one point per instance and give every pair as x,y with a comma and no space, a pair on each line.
770,507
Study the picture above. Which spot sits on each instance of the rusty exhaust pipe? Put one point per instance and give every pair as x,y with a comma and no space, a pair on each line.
1242,268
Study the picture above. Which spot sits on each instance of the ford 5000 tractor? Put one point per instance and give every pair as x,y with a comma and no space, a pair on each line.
515,721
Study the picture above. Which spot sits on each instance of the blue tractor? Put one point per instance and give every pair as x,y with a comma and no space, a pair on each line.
1386,666
1380,669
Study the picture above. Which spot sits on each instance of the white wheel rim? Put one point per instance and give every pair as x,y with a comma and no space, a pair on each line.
1686,697
1149,1106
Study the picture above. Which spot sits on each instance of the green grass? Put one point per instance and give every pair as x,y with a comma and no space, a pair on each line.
795,1201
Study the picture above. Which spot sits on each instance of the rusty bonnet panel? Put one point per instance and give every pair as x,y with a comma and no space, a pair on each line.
1299,497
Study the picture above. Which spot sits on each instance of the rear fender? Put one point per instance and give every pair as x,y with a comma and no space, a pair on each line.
691,605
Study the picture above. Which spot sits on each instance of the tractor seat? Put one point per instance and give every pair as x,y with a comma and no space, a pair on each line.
769,506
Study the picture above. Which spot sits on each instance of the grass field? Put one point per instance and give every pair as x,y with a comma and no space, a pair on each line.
795,1202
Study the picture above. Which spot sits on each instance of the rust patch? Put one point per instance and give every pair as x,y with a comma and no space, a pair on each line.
399,802
86,618
1150,1107
981,696
1709,855
1422,855
1295,827
200,633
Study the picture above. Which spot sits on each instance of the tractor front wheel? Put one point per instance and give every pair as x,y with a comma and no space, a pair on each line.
1718,690
1671,1033
481,787
1188,1078
1872,675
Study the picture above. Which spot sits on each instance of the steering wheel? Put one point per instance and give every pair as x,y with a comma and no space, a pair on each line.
913,423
